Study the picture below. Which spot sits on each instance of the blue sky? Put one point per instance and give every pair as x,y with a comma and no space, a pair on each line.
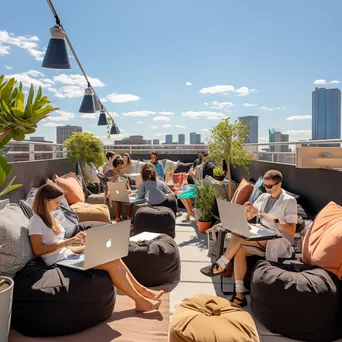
180,66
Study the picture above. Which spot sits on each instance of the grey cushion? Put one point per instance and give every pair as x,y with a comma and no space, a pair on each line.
15,248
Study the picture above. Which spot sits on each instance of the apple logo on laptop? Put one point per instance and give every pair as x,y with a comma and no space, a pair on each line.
117,191
109,243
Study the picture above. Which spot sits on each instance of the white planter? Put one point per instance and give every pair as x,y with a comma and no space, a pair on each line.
6,295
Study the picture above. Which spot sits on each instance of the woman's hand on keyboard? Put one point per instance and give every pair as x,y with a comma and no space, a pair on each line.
80,238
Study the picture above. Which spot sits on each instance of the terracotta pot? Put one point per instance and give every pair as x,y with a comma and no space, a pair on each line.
203,226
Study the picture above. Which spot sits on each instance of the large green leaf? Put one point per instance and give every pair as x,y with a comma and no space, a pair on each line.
8,169
9,187
18,135
6,91
2,78
3,162
2,176
5,140
39,94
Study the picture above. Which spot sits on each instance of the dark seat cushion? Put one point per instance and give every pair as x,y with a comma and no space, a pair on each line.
155,219
90,300
295,300
183,167
154,263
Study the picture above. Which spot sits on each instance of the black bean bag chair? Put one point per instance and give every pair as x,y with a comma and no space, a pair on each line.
296,300
171,203
156,220
154,263
90,300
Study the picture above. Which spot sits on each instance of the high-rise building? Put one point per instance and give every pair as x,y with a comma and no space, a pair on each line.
168,139
156,142
39,139
65,132
326,114
181,139
131,140
275,136
192,138
252,123
148,142
198,138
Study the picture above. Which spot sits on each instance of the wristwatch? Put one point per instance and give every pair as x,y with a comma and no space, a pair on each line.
276,220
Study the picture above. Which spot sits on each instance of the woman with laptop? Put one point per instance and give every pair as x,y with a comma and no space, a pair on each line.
47,237
278,212
154,190
118,166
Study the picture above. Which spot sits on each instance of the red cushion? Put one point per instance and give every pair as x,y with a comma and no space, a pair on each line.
72,188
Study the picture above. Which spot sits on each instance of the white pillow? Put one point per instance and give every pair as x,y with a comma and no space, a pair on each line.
134,164
91,173
139,166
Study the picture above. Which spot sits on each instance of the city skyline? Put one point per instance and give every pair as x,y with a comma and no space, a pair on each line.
261,68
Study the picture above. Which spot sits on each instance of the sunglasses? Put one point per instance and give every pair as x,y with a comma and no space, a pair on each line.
270,186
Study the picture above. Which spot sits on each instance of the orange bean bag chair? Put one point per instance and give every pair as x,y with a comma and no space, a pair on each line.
204,318
323,242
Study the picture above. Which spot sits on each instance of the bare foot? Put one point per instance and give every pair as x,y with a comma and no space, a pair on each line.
151,294
147,305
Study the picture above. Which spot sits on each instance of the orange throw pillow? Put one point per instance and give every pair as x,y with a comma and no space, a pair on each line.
322,244
72,188
243,192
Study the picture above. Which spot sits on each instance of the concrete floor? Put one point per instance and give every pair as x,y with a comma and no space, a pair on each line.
193,247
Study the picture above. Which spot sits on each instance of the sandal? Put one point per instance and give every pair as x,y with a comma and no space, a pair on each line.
209,270
242,302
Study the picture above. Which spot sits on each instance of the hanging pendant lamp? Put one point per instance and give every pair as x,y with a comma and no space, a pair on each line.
88,105
102,118
56,55
114,129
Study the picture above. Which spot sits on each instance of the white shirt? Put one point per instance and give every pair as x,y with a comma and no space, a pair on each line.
37,226
285,209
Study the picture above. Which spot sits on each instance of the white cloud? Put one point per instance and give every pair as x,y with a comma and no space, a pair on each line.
205,130
90,116
188,83
153,126
46,80
69,92
166,126
7,66
166,113
139,122
161,118
4,50
226,90
34,73
179,126
63,116
139,113
203,114
306,132
299,117
221,105
322,82
28,43
248,105
113,113
53,124
120,98
27,80
206,103
78,80
269,109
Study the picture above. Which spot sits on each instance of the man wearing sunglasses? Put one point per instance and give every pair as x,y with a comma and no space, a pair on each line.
277,211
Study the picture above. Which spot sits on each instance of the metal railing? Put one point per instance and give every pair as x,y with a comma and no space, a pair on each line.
32,150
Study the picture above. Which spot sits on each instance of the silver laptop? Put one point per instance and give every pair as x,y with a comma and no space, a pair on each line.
233,218
103,244
118,193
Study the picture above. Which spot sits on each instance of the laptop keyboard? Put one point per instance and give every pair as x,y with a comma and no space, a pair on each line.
78,264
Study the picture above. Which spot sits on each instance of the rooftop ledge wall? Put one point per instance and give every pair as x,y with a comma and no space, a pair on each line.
316,187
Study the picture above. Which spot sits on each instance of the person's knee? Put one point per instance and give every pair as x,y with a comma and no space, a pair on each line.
240,254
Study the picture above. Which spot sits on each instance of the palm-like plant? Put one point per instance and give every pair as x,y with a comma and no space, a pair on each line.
16,120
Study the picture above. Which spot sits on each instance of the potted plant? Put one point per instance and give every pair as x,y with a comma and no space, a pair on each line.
6,295
169,174
218,173
85,148
205,195
226,143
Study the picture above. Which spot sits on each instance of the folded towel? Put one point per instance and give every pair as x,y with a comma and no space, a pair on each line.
51,281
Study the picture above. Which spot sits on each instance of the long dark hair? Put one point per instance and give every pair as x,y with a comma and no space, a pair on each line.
128,158
147,172
117,161
45,193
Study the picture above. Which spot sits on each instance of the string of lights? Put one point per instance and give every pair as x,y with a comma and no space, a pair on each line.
57,57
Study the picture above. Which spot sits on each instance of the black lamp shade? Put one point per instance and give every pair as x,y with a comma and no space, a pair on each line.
87,105
102,120
56,55
97,103
114,129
